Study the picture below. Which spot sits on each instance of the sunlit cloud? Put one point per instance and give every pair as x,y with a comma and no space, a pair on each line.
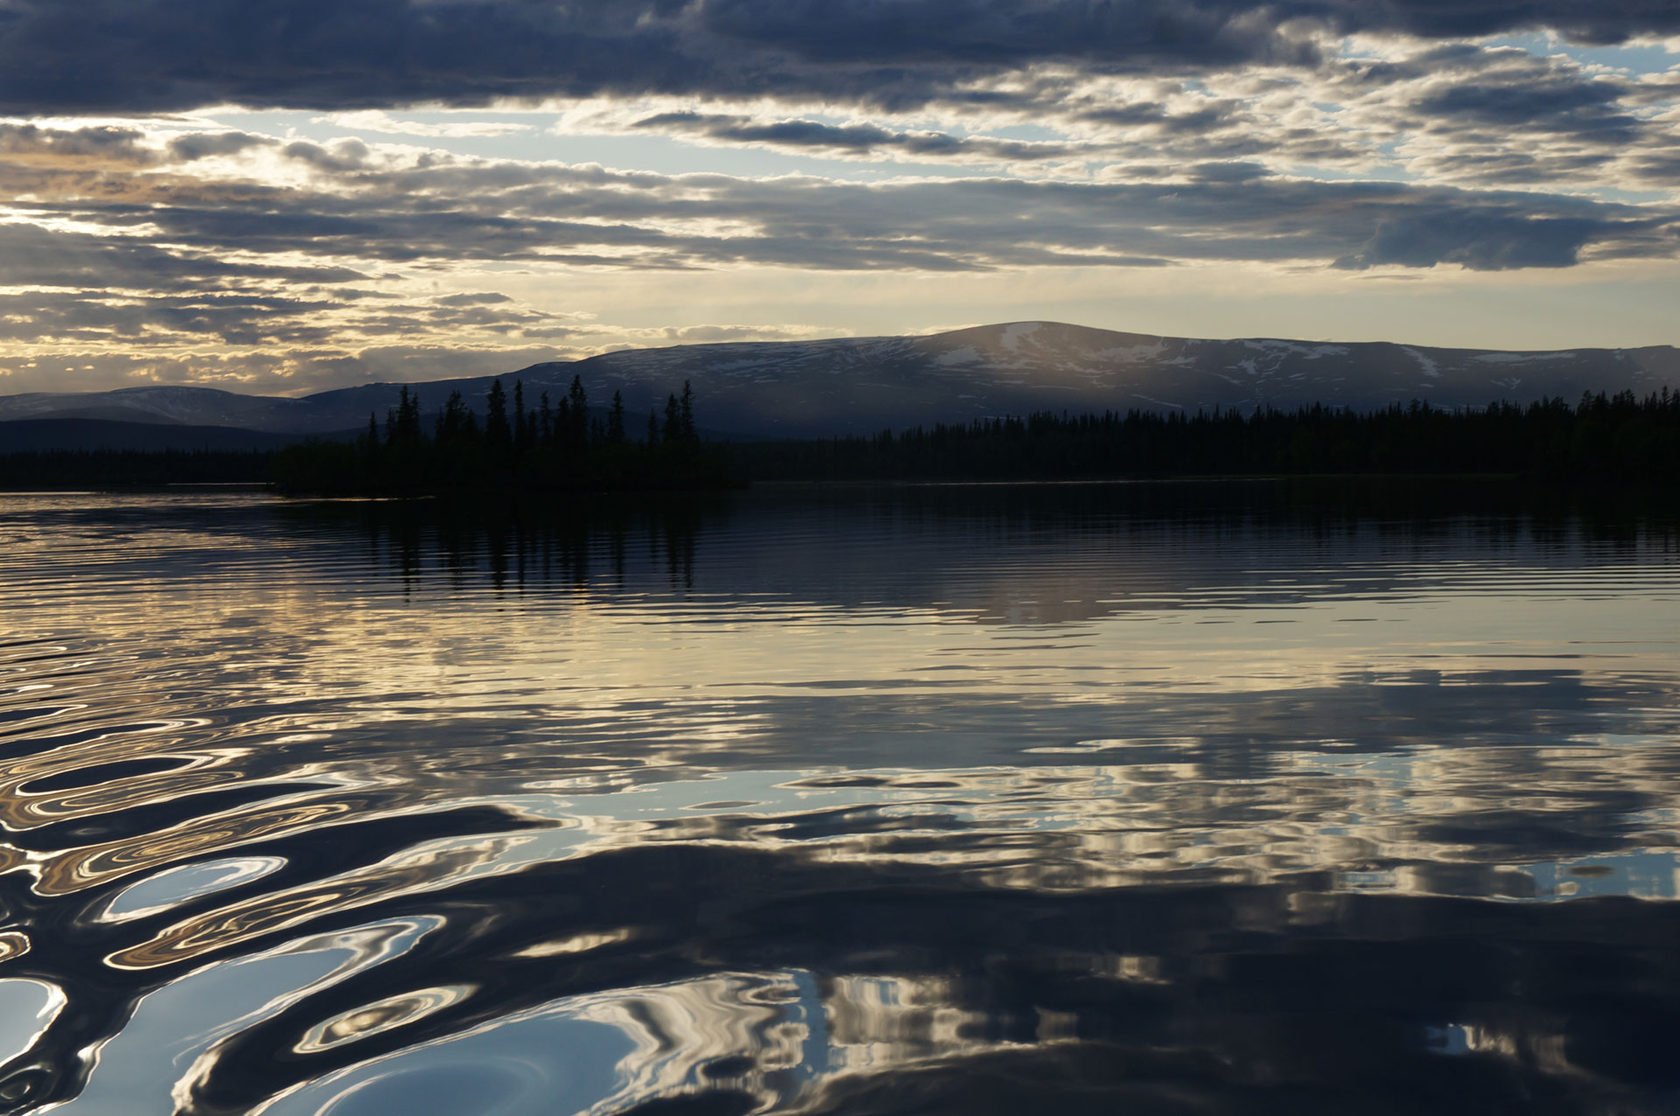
394,176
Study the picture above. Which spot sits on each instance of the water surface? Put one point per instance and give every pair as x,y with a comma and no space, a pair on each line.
1163,798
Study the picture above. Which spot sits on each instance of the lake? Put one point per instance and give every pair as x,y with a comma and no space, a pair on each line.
1155,798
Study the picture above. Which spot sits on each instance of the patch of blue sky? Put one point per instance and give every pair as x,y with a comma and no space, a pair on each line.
1631,59
1383,172
1027,133
1627,197
318,128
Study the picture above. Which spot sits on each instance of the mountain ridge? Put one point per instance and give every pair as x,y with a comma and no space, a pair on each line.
835,386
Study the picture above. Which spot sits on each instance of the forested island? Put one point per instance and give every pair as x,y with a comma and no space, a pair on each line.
564,446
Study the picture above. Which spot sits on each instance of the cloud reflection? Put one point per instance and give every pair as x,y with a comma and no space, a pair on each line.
838,807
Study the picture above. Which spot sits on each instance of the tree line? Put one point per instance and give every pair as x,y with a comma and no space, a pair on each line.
565,445
1601,438
97,468
519,444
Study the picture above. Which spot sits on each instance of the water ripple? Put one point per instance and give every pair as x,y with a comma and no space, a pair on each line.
915,802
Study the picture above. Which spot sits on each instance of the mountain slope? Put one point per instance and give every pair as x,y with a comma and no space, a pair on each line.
860,385
863,385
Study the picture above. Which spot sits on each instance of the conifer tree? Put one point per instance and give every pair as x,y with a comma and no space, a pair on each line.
673,419
521,427
496,431
579,401
615,420
686,412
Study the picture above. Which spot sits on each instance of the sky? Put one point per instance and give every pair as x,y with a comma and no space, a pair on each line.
283,196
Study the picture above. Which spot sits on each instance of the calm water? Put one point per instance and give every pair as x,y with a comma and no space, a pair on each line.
1173,800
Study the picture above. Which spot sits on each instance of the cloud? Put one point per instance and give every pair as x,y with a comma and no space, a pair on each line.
1462,113
39,257
202,145
234,319
363,213
1229,172
481,298
859,140
344,155
30,144
1512,89
87,56
722,334
1478,241
1157,146
1493,115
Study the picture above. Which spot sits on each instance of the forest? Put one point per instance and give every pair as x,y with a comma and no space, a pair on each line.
1616,438
521,445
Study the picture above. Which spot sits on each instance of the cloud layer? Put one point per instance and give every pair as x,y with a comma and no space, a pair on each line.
63,56
861,137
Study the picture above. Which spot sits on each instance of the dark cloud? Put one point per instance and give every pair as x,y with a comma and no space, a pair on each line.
205,145
1534,97
1510,103
277,316
103,145
158,55
1658,167
39,257
1007,33
859,139
69,56
1603,22
1228,172
483,298
1479,241
345,155
1157,117
93,315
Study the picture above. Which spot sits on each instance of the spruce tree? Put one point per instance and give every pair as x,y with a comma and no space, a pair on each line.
496,432
615,420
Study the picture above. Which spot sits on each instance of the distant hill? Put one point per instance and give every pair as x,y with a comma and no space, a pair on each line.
33,435
860,385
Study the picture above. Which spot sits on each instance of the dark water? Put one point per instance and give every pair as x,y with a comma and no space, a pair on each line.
1173,800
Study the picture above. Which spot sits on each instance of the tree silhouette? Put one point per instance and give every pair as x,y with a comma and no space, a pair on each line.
497,435
673,419
559,450
615,420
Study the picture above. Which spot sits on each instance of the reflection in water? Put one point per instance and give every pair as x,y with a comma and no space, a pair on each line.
1176,798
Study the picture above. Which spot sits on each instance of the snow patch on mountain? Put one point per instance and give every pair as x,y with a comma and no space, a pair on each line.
1427,365
1016,331
1521,358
